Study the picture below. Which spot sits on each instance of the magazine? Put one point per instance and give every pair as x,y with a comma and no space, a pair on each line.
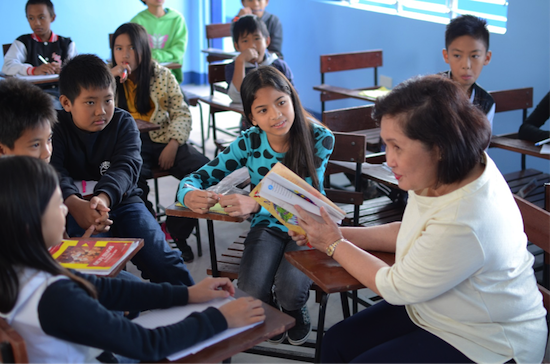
93,256
281,189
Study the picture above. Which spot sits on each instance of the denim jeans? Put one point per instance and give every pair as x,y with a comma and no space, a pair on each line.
156,260
264,266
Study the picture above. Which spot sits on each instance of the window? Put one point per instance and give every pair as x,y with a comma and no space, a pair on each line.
440,11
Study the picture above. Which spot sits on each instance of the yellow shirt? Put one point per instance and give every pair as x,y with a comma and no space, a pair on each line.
130,92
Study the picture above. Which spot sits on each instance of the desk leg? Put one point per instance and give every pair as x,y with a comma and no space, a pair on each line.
212,243
321,326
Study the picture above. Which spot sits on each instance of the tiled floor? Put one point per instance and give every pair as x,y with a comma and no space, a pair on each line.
225,233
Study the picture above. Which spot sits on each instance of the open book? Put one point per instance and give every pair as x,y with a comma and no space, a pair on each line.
98,257
281,189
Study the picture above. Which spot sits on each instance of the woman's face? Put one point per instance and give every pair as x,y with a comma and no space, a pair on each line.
124,51
414,166
53,219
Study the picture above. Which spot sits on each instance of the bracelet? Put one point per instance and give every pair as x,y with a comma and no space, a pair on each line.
332,247
235,19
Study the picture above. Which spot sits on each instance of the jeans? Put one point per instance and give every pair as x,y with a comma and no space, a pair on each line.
384,333
156,260
263,266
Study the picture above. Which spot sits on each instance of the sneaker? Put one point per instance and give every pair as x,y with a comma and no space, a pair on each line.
298,334
277,339
186,251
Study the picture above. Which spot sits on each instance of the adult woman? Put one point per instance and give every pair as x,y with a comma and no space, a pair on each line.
462,270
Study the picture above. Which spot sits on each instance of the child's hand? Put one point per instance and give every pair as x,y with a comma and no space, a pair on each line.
210,288
242,312
250,55
86,216
122,70
46,69
239,205
200,201
100,204
244,11
168,154
300,240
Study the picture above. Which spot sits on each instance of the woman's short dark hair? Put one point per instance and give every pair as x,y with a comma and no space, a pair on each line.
435,111
26,187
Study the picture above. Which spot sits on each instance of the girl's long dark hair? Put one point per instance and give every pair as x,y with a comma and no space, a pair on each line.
140,40
26,187
300,156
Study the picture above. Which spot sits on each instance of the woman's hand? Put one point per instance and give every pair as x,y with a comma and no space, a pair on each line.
239,205
319,234
122,70
200,201
243,311
210,288
168,154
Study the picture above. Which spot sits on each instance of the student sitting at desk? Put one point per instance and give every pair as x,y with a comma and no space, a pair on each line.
467,51
280,131
272,23
150,92
167,33
94,141
42,52
529,130
66,317
251,38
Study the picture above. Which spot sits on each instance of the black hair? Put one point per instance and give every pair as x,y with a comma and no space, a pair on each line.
145,70
23,106
436,112
85,71
467,25
300,157
248,24
26,188
48,3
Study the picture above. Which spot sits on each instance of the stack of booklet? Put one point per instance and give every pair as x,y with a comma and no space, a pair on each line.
98,257
281,189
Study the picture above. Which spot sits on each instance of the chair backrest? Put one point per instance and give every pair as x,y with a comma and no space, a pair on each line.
355,119
216,31
216,74
349,148
514,99
5,48
12,345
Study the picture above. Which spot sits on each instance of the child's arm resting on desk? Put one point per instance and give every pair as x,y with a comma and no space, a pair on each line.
65,309
14,60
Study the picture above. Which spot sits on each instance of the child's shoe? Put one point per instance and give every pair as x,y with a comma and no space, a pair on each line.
298,334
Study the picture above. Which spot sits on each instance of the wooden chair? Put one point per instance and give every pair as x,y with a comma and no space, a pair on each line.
12,345
217,31
536,222
514,99
5,48
345,62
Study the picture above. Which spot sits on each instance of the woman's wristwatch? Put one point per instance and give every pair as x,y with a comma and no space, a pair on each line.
332,247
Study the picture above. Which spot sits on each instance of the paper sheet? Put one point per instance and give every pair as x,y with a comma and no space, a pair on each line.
156,318
545,149
39,78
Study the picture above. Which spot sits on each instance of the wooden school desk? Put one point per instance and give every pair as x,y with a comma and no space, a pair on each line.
144,126
210,217
275,323
329,275
512,143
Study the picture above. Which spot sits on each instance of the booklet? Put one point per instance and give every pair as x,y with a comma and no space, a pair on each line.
98,257
281,189
168,316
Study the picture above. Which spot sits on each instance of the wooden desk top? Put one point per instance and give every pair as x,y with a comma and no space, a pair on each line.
353,93
512,143
275,323
223,103
171,65
326,272
220,53
180,211
144,126
375,172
